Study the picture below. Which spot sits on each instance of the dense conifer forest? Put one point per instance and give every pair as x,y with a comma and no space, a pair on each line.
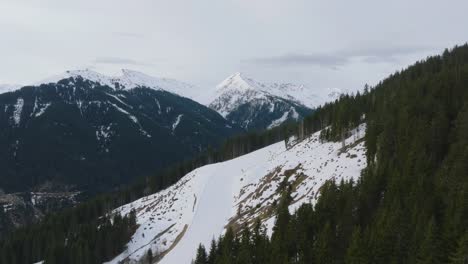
96,238
410,205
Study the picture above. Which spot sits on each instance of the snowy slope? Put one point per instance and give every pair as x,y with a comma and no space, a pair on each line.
236,192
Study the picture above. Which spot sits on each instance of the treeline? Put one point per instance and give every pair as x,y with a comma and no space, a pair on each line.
67,238
411,203
231,148
295,238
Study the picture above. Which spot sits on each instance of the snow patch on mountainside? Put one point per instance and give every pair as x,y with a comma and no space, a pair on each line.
236,192
292,113
18,110
42,110
176,123
133,118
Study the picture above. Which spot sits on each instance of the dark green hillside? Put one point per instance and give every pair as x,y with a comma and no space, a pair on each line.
259,114
80,134
411,205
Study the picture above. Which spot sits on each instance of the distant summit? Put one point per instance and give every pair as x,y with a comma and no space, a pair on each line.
257,105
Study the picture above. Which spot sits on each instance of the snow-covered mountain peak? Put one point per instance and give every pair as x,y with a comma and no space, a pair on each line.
254,104
237,81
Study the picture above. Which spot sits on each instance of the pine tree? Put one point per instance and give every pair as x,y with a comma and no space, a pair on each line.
245,248
429,247
201,257
281,240
460,256
323,248
212,255
356,253
149,256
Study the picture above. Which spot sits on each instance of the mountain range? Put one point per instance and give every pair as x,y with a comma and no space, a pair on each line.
79,133
86,129
251,104
255,105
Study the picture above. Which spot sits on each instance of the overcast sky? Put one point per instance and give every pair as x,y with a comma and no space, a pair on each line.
327,43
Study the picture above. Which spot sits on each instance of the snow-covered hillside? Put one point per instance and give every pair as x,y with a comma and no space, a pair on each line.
236,192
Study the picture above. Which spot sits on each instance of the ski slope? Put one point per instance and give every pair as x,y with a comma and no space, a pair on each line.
198,207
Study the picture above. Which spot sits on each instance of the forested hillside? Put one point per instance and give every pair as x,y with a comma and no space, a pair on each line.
92,244
93,137
411,204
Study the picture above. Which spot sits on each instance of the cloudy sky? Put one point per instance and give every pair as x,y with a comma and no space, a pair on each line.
327,44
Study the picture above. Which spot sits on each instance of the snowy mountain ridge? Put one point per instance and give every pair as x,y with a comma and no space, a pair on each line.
255,105
128,79
235,193
240,83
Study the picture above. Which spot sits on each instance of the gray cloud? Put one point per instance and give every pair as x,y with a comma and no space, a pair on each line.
341,58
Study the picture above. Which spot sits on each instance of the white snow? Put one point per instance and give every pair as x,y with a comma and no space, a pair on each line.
159,105
238,89
42,109
119,100
104,133
291,113
129,79
133,118
241,88
200,205
176,122
18,110
279,121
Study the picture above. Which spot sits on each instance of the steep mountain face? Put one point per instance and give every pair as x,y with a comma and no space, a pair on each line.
255,105
94,132
235,193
